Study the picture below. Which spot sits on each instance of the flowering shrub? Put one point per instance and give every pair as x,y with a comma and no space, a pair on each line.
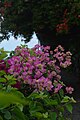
39,67
32,84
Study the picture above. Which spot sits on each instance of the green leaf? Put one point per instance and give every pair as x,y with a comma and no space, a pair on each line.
53,115
65,99
20,106
2,80
12,82
69,107
61,83
32,53
8,98
10,77
3,53
2,72
2,56
72,100
45,115
61,92
35,107
57,97
18,114
36,95
50,102
60,108
37,114
17,93
7,115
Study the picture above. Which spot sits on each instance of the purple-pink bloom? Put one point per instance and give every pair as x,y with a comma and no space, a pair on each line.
69,90
39,66
58,87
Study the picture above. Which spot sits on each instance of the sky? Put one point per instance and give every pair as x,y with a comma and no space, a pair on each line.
12,43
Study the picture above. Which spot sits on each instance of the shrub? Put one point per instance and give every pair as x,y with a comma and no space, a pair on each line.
32,84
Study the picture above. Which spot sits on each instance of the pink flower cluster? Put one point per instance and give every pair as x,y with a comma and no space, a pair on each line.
63,58
39,67
69,90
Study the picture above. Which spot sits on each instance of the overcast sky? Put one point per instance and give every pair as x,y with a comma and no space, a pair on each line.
12,43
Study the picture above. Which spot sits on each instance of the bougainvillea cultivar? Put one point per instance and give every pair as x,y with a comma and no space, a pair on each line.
39,67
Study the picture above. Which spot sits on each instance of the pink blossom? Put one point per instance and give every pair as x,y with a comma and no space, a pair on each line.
69,90
58,87
39,67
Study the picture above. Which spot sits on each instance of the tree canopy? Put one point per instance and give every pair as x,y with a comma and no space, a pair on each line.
45,17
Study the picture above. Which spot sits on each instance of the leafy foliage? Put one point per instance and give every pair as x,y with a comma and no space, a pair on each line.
11,100
24,17
47,107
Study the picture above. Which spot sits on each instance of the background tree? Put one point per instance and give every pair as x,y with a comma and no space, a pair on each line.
51,20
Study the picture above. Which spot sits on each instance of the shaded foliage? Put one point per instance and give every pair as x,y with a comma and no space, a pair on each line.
24,17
